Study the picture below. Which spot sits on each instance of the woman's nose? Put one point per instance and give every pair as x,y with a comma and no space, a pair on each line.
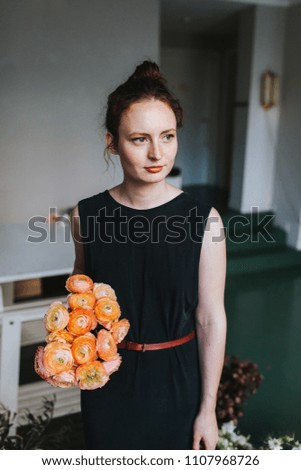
154,152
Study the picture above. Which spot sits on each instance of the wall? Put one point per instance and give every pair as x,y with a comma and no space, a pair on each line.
287,196
193,75
253,168
244,58
60,59
262,133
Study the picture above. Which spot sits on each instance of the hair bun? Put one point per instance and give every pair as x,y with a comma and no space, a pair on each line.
149,70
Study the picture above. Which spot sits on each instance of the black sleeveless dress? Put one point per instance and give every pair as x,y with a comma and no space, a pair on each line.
151,258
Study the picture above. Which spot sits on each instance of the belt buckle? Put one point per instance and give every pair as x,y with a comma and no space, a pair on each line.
143,349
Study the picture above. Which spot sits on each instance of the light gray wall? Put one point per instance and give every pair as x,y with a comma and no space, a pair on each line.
263,126
59,60
287,196
253,170
193,75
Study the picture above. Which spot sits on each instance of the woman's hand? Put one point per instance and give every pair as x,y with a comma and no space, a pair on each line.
205,429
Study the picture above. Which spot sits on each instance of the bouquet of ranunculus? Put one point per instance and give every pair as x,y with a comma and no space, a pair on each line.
82,338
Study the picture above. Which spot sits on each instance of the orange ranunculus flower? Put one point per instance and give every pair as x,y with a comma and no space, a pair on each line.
86,299
39,367
57,357
120,329
79,283
91,375
84,348
57,317
64,379
75,354
81,321
113,365
63,336
107,309
103,290
106,346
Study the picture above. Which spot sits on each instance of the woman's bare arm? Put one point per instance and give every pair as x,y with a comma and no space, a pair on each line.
79,263
210,327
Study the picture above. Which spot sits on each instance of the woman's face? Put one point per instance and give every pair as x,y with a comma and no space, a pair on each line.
147,143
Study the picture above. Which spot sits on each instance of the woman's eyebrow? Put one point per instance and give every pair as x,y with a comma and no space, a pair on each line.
146,134
169,130
139,133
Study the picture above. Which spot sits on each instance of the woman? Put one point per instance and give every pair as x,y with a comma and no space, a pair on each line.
164,254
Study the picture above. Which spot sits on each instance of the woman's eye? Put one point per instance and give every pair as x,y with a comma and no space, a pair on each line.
168,137
139,140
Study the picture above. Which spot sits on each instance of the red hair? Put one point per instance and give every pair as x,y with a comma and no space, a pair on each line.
145,83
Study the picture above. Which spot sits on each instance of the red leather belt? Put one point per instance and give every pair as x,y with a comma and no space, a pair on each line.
154,346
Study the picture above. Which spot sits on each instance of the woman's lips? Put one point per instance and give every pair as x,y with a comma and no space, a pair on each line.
153,169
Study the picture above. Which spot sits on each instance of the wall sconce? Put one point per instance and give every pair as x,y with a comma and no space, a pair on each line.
269,90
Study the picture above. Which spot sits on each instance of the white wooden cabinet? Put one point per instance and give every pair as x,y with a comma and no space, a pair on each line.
24,254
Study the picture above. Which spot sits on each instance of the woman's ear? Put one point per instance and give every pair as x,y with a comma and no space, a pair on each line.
110,143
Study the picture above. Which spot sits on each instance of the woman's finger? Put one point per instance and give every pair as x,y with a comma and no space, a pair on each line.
196,442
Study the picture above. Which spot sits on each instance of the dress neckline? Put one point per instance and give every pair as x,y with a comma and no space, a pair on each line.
118,204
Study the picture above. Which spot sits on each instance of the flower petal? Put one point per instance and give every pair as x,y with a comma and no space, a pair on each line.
103,290
107,309
113,365
57,357
106,346
120,329
63,336
81,321
84,349
83,300
66,379
39,367
57,317
91,375
79,283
